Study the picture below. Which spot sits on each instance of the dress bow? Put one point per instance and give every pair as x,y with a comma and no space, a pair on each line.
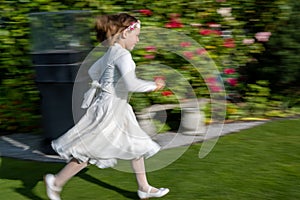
90,94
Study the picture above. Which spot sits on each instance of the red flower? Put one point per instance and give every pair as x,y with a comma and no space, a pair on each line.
229,43
146,12
150,48
167,93
229,71
216,32
200,51
205,32
174,22
188,54
232,81
209,32
185,44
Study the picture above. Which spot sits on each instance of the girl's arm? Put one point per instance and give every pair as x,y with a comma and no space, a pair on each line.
127,67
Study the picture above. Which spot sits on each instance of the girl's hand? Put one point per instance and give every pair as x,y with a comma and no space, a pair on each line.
160,84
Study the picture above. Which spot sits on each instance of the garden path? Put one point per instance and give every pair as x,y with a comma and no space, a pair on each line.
28,146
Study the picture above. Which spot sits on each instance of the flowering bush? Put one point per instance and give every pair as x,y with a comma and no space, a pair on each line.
227,30
227,35
221,36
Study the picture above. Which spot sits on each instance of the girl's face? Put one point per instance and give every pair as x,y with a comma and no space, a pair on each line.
131,39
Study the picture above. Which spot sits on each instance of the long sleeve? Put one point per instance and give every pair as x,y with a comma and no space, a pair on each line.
95,70
126,66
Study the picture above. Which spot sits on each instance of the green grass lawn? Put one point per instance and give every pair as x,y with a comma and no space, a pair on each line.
259,163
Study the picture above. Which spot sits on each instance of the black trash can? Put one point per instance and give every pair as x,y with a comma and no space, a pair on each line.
60,42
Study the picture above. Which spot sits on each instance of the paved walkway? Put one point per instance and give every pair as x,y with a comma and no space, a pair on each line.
28,146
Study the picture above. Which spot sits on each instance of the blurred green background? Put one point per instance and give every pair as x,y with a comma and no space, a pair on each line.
254,43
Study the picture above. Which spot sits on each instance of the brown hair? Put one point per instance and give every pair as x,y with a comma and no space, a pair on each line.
108,27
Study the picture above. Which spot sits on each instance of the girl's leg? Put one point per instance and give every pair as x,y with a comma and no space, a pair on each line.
54,183
138,167
70,170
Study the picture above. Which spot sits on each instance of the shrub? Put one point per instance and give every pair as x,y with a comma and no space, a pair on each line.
222,27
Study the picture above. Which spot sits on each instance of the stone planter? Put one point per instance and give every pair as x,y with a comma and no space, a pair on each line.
192,122
145,122
192,119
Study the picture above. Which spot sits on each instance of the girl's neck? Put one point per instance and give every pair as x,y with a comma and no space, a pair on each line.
120,43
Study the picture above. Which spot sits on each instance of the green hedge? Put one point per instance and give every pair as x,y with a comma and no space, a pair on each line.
201,20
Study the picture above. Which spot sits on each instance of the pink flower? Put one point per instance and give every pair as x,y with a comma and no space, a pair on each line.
248,41
263,36
150,48
156,78
132,26
146,12
215,88
188,54
167,93
229,71
200,51
149,56
213,25
232,81
211,80
196,24
229,43
185,44
213,84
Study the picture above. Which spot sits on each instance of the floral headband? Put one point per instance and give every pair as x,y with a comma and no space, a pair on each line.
134,25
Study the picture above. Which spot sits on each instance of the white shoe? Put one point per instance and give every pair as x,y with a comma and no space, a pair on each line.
160,193
52,190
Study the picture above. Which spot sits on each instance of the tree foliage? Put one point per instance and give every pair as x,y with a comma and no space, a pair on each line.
279,63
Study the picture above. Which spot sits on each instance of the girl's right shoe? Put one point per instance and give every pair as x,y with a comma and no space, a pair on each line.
146,195
52,190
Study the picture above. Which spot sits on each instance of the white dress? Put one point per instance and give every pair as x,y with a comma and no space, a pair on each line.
109,131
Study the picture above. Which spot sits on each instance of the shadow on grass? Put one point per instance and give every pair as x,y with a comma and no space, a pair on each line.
30,173
125,193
